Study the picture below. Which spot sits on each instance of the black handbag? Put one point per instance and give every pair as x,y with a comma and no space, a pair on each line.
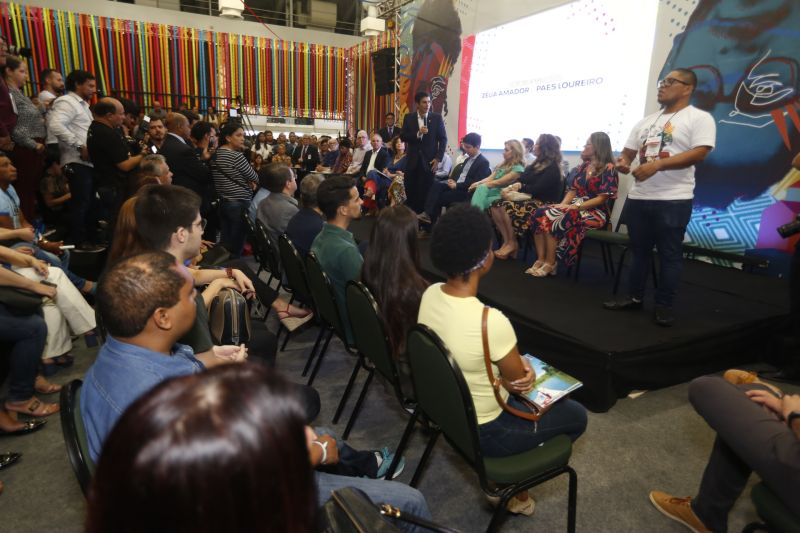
350,511
229,318
20,301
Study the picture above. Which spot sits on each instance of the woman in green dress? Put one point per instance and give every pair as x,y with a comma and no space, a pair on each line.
487,190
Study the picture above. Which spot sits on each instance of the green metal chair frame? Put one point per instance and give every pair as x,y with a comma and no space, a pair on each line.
372,342
75,434
776,517
328,313
295,273
268,252
444,399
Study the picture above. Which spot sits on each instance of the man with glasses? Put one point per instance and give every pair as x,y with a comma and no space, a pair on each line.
667,145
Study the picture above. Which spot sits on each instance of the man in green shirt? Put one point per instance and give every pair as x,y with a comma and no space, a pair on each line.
335,247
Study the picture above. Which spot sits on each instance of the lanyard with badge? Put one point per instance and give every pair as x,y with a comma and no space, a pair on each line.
654,141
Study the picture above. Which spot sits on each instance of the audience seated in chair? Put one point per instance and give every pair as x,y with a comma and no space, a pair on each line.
277,209
391,272
54,189
542,182
344,157
26,332
461,247
21,235
306,224
487,190
456,188
147,303
559,229
151,476
335,246
168,218
377,185
758,429
375,159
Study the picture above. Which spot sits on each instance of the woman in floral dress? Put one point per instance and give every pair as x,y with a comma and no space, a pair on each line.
560,228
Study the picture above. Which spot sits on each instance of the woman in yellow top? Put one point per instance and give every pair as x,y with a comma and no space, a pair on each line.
461,247
487,190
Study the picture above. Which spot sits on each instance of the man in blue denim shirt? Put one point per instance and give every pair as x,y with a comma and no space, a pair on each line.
147,303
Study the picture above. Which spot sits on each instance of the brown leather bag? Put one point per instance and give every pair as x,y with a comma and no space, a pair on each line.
536,414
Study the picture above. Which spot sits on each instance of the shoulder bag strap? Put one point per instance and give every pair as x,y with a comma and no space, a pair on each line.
494,381
216,165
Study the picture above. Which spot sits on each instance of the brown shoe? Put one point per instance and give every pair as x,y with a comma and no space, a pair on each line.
678,509
743,377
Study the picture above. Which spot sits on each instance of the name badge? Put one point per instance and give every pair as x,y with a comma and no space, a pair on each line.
652,146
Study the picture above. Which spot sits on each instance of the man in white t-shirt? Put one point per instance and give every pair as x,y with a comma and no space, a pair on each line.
667,144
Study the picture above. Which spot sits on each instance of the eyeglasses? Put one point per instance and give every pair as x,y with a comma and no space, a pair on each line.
202,224
669,82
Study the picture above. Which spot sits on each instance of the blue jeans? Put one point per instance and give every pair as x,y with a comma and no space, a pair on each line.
407,499
56,261
28,334
82,215
509,434
659,223
233,228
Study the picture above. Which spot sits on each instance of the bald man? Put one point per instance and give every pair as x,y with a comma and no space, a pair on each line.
187,169
111,157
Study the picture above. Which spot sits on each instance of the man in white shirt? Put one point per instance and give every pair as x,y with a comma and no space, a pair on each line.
360,150
52,86
668,145
68,121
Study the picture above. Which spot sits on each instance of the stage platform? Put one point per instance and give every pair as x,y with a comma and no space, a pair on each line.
725,317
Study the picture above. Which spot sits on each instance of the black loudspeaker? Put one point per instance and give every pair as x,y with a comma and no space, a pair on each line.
383,71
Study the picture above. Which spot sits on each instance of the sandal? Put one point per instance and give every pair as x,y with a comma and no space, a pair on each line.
287,313
65,360
42,386
33,407
28,426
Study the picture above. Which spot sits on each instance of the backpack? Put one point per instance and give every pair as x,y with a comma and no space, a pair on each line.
229,318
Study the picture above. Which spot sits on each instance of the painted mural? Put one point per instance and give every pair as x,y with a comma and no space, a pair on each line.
745,54
430,46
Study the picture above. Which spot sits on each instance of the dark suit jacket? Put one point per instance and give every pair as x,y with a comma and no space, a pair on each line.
381,161
430,146
384,133
187,169
310,161
479,170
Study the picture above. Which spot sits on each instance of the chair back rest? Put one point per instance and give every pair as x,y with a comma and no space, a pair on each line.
293,269
75,434
250,230
442,392
268,249
369,332
324,298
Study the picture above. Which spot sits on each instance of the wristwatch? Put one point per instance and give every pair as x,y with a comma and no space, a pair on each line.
791,418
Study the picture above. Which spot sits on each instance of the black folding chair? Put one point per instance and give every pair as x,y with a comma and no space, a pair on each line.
75,434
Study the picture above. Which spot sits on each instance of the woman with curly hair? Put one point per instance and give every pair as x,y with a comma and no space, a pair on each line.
461,247
540,183
487,190
560,228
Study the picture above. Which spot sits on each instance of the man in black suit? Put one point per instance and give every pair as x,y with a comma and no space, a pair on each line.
425,138
306,155
389,131
187,169
376,159
456,189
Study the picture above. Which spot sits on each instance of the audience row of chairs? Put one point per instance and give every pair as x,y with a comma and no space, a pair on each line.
442,399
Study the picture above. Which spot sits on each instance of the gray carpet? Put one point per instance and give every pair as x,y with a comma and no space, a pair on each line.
655,441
